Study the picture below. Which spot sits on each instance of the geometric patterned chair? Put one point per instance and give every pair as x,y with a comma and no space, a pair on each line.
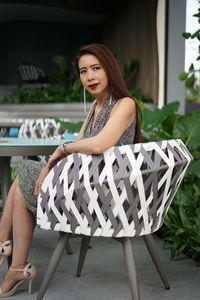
122,193
40,128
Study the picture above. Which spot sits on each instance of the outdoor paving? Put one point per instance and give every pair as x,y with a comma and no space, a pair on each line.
104,274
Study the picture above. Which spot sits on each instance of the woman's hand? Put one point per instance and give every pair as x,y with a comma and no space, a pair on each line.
43,173
56,156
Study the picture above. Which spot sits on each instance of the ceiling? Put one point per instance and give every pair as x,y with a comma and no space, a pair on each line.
70,11
88,6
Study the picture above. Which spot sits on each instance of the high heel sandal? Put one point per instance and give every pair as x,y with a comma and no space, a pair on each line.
29,274
5,250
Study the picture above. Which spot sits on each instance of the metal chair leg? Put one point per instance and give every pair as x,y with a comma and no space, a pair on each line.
68,246
130,264
55,259
150,244
83,251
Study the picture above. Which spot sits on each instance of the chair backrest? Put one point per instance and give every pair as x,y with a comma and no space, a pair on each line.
30,73
126,191
40,128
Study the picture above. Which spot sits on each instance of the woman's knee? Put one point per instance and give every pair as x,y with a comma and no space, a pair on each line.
19,198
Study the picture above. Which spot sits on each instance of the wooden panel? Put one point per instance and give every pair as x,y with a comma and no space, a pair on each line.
131,33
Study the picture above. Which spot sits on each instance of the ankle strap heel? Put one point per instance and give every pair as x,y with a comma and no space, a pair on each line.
5,250
29,273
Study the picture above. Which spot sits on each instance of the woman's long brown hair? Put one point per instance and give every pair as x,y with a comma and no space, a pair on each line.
116,86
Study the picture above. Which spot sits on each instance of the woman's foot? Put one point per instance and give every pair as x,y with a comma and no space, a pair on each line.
5,250
14,278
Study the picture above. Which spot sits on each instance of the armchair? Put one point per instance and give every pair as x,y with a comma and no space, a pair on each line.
122,193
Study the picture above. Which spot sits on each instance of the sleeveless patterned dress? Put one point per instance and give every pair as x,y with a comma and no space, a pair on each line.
28,170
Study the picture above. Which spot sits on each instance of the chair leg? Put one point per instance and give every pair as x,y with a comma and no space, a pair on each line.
150,244
55,259
83,251
68,246
130,264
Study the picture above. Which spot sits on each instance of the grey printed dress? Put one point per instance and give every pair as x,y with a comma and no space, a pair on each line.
28,170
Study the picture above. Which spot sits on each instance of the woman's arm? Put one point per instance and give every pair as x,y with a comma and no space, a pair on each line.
120,119
58,154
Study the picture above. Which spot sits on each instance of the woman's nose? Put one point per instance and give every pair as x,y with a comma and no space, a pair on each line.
90,75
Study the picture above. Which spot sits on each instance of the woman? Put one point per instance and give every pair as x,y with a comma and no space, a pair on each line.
112,120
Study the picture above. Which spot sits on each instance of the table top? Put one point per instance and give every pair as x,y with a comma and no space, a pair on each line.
4,123
27,147
9,124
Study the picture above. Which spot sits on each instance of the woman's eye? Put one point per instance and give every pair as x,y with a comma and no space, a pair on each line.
82,71
96,68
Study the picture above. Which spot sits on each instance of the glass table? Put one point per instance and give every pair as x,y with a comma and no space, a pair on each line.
7,125
21,147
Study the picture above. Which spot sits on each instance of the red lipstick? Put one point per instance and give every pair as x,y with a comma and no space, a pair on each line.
93,86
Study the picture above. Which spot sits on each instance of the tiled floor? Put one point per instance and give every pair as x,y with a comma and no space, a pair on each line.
104,275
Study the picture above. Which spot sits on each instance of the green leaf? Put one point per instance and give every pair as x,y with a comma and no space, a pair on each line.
182,248
189,82
76,86
179,231
187,127
183,76
69,126
184,217
61,63
139,95
174,251
196,34
196,238
194,167
174,218
130,66
197,15
168,124
197,249
197,222
191,68
186,35
153,118
13,173
191,94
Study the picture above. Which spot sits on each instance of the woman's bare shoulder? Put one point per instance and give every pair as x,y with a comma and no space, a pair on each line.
126,102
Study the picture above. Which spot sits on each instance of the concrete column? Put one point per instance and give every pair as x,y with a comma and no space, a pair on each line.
175,54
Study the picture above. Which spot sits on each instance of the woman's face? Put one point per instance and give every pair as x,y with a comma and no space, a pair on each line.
92,75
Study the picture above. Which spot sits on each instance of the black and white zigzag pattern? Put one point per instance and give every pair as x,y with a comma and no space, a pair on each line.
40,128
126,191
29,72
